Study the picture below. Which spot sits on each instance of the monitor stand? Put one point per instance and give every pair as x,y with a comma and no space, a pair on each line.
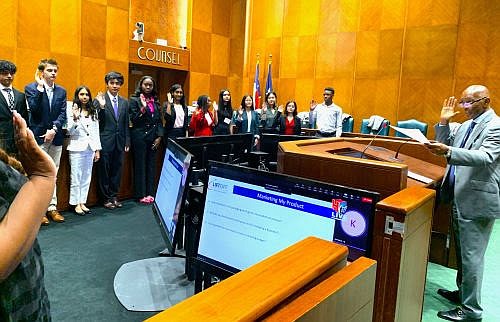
152,284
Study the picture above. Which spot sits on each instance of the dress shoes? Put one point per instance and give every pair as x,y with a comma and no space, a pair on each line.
85,209
117,203
109,205
456,314
79,211
55,216
451,296
45,221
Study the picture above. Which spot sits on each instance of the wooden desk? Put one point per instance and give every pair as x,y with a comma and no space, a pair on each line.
319,159
305,281
402,252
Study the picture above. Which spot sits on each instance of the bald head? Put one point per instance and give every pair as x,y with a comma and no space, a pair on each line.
475,100
477,91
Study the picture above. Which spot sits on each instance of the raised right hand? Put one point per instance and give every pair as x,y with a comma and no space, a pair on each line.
170,99
100,98
34,160
38,78
313,105
143,100
448,110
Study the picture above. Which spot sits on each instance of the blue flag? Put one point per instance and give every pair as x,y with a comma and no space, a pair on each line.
269,82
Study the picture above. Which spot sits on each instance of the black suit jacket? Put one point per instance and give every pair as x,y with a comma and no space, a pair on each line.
281,122
43,116
147,126
6,127
170,118
114,133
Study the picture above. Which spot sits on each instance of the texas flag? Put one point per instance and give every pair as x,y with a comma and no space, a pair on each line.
256,88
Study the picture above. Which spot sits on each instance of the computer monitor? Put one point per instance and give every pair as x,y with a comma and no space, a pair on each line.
250,215
226,148
170,196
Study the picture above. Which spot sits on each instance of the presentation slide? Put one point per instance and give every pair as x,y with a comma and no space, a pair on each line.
245,223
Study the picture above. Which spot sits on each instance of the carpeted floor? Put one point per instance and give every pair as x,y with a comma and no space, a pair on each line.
83,254
442,277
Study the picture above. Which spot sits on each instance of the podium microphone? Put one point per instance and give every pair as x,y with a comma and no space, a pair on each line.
395,158
383,126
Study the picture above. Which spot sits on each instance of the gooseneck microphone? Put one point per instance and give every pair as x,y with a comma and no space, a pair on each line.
383,126
399,148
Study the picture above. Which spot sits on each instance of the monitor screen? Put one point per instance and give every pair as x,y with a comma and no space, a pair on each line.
226,148
169,199
250,215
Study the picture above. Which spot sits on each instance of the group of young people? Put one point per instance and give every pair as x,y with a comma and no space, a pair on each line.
103,127
211,118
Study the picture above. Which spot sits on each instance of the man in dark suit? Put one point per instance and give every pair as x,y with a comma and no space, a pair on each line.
115,138
472,183
10,100
47,104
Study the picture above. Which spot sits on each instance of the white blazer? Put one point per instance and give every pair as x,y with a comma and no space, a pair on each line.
83,132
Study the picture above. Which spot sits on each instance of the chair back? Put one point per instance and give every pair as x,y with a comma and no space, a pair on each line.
348,124
367,130
412,124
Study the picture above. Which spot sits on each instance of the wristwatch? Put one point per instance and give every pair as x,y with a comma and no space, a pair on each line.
54,128
448,154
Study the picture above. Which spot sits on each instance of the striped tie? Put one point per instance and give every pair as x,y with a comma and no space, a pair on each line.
11,98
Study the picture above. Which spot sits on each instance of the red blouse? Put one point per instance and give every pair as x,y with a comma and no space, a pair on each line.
199,124
289,125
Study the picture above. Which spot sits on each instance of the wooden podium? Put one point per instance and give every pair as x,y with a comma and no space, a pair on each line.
403,219
308,281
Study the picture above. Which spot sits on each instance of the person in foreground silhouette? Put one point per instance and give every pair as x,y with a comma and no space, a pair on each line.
26,189
471,184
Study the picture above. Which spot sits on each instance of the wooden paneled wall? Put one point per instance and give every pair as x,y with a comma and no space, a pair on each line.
87,38
217,47
395,58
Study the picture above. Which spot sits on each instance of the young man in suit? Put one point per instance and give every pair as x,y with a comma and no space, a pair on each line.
115,138
472,184
10,100
47,104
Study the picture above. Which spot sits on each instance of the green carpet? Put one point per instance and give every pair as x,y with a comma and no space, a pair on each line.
83,254
442,277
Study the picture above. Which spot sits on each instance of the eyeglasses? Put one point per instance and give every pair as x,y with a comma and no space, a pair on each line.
470,103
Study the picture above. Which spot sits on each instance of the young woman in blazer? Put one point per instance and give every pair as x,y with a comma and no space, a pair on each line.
146,132
269,113
247,120
176,113
289,123
224,114
84,147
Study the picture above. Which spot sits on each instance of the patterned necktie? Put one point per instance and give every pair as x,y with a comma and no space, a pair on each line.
11,98
451,174
115,107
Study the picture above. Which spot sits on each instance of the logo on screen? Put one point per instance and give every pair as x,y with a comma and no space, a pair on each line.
354,224
339,207
221,187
